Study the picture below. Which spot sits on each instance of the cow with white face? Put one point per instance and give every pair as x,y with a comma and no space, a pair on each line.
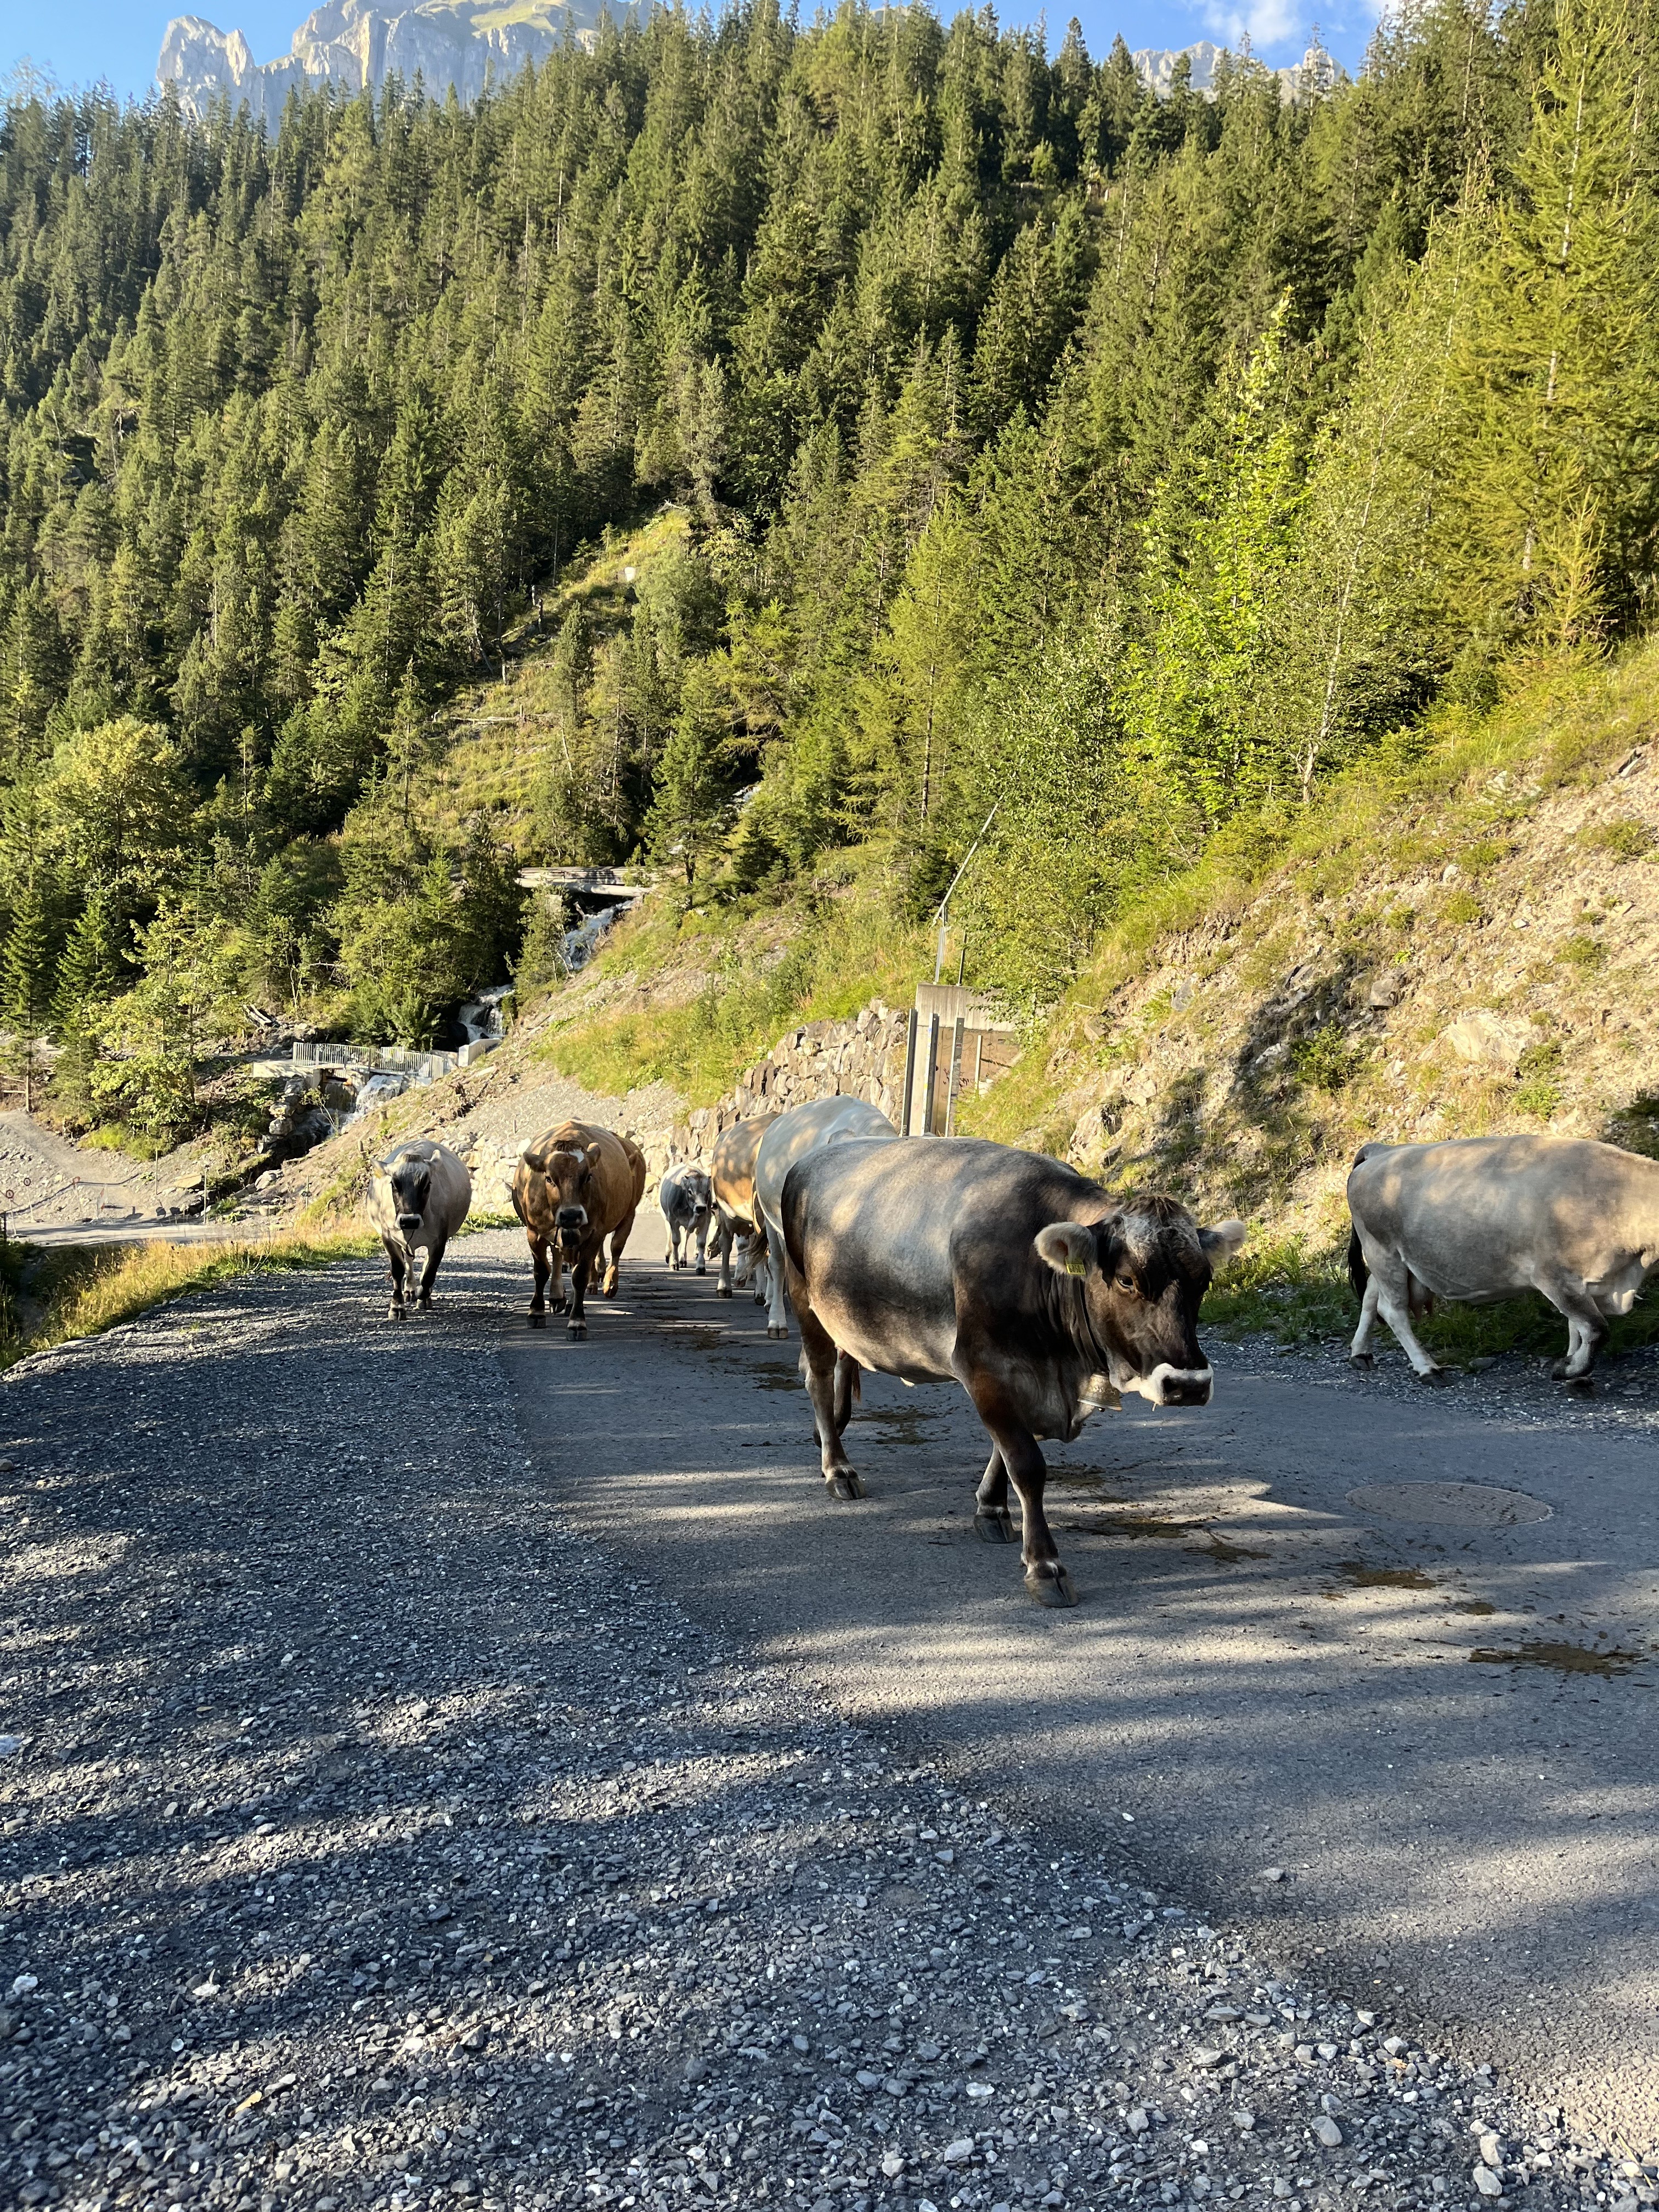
1476,1220
1044,1296
418,1197
684,1196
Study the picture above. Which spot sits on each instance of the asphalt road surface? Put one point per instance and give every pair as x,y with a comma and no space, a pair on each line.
1431,1711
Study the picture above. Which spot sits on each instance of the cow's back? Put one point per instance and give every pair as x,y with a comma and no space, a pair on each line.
822,1122
896,1238
1473,1214
732,1166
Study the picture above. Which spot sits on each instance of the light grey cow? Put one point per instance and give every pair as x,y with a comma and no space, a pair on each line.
1480,1219
418,1197
685,1197
801,1130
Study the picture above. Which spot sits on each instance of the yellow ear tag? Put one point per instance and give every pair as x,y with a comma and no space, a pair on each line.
1079,1267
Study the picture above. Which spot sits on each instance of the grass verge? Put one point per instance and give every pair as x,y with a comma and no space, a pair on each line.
57,1294
1297,1296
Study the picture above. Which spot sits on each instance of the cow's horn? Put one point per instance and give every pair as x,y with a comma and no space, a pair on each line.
1066,1247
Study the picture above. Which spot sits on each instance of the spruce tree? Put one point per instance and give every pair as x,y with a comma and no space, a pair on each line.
26,977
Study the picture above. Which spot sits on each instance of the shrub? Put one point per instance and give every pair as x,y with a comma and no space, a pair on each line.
1625,839
1324,1060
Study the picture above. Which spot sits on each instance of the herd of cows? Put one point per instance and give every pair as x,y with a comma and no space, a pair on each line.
1043,1294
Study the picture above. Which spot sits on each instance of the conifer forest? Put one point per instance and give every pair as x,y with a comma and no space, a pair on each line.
1116,467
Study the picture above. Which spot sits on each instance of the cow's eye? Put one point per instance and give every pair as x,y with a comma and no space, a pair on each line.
1126,1283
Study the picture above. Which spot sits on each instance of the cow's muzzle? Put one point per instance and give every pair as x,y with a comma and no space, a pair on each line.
408,1223
1174,1386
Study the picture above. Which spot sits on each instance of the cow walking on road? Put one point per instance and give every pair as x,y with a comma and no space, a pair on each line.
1041,1294
683,1196
573,1188
821,1123
1476,1220
731,1175
418,1197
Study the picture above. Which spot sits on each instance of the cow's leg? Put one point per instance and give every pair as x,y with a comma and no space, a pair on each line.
543,1267
1391,1281
394,1256
723,1237
821,1363
993,1522
429,1273
777,1313
577,1324
1359,1352
703,1246
1586,1328
673,1252
618,1238
1045,1579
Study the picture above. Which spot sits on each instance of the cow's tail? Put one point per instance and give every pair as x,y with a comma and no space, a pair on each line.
1358,1273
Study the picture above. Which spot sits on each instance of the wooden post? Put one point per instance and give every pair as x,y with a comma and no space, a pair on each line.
933,1076
909,1075
955,1078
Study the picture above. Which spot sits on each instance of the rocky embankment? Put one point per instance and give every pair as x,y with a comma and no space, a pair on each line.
1487,966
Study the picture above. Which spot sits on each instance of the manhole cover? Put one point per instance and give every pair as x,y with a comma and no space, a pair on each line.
1451,1504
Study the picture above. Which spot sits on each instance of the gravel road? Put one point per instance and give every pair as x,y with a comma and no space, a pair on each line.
374,1834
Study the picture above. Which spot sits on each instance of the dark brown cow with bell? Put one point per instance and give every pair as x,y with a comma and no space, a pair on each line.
1044,1295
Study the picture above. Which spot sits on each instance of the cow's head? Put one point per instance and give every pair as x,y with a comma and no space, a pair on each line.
696,1185
568,1174
412,1187
1142,1273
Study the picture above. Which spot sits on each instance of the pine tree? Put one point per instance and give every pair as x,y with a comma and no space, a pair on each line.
25,978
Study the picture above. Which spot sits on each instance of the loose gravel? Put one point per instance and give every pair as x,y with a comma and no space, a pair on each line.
371,1838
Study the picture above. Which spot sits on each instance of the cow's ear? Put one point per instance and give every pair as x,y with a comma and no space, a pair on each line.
1066,1247
594,1155
1222,1242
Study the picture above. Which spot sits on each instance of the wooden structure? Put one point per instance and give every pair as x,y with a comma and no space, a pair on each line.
958,1041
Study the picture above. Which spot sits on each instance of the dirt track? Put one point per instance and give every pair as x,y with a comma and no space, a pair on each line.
378,1833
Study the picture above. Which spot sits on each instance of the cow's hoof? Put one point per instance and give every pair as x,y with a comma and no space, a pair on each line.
394,1313
844,1484
772,1329
702,1271
1436,1377
994,1528
1361,1359
537,1320
1053,1589
577,1329
722,1290
609,1290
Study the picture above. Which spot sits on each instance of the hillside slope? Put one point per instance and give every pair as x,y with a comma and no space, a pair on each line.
1457,940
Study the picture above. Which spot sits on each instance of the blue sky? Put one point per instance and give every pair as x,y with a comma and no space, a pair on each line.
77,42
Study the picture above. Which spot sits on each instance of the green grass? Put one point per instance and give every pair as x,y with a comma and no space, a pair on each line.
1455,788
75,1289
1298,1295
750,971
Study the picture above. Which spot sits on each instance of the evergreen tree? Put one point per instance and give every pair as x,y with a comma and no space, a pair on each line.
25,978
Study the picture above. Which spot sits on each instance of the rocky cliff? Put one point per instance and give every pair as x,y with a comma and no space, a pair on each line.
462,43
467,43
1155,66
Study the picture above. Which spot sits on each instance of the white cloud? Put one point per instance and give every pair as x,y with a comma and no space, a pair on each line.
1267,22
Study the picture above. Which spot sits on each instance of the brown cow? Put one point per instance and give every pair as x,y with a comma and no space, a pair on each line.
573,1188
731,1174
